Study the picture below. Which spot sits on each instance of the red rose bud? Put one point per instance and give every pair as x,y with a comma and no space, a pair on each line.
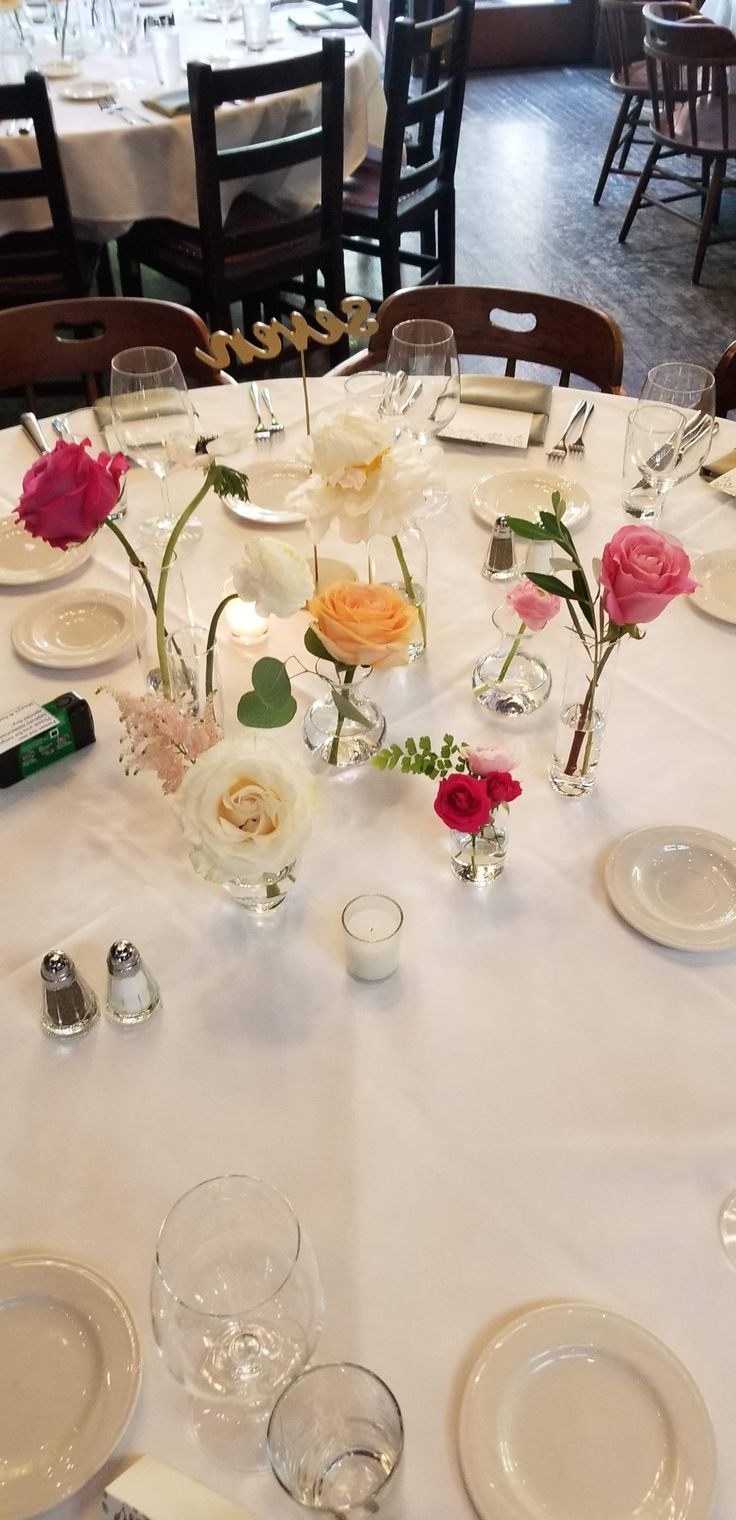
67,493
462,803
501,787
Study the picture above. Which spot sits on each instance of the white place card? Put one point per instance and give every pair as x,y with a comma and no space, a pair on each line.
725,483
489,424
150,1490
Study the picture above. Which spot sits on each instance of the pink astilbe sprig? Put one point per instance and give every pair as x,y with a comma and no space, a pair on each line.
158,737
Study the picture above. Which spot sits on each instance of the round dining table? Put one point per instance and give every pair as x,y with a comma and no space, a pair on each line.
122,166
540,1105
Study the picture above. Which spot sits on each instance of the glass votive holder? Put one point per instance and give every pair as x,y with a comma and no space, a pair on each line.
372,933
335,1439
245,624
365,391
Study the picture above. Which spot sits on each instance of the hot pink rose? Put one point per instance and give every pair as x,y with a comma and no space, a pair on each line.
462,803
501,787
641,572
534,606
482,761
67,493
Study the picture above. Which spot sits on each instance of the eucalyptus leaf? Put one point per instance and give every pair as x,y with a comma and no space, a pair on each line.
347,709
271,681
253,712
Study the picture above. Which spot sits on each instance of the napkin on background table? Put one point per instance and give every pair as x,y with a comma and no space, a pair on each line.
172,103
507,393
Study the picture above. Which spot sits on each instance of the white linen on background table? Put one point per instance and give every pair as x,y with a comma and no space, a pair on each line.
540,1104
117,173
722,12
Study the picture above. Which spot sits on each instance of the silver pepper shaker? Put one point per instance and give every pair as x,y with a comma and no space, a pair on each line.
499,563
132,994
69,1006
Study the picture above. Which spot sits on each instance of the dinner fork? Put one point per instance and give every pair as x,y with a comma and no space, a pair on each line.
578,447
275,425
560,449
261,429
109,105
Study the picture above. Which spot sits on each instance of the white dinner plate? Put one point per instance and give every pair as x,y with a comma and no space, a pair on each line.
88,89
716,593
70,1373
524,493
575,1413
269,484
27,561
676,885
73,629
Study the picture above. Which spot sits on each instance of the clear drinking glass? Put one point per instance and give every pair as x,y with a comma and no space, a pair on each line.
653,444
256,19
422,388
167,55
364,392
692,389
335,1439
237,1309
151,412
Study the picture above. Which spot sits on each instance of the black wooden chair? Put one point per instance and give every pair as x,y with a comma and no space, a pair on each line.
414,191
36,266
693,116
255,248
725,378
362,10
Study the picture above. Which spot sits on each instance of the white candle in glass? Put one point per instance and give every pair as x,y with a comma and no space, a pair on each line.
372,933
245,623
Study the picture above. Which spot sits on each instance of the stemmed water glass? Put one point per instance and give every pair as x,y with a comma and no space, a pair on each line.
126,26
692,389
422,388
653,447
151,412
237,1309
226,11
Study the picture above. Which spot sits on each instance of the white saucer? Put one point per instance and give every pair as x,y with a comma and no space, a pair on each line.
73,629
70,1373
716,593
676,885
88,89
269,483
524,493
27,561
575,1413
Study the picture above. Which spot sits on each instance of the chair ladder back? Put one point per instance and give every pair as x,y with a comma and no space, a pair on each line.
43,181
425,43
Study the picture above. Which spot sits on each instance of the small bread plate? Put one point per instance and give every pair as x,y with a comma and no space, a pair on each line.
70,1374
74,629
268,487
716,593
573,1412
28,561
676,885
88,89
524,493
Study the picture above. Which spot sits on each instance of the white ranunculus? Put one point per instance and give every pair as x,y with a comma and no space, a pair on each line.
273,575
246,812
363,478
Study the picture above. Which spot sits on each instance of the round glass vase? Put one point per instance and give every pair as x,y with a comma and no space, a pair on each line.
584,706
178,613
262,897
344,727
16,46
480,858
510,681
400,561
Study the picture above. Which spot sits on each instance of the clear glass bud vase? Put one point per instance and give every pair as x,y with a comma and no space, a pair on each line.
344,727
262,897
178,613
481,857
401,562
584,707
511,680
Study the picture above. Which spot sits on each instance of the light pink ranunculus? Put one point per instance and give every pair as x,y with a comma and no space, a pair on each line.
534,606
481,762
641,573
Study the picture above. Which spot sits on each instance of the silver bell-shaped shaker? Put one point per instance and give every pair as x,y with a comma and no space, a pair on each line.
500,562
132,994
69,1006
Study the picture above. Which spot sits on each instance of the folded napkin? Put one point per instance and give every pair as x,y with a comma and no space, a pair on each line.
510,394
325,19
172,103
720,466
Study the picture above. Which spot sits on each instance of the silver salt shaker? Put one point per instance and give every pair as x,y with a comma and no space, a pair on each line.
69,1006
132,994
499,563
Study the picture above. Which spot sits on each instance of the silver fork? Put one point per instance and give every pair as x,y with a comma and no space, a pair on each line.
109,104
560,449
276,426
261,429
578,447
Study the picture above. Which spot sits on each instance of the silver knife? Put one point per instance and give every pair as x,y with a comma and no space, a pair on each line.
31,427
692,433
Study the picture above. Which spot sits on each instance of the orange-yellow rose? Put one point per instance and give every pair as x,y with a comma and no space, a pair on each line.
364,625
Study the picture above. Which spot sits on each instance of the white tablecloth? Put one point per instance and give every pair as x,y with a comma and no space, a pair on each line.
118,173
539,1105
722,12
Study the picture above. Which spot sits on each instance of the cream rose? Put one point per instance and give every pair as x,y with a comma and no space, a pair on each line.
364,625
245,812
274,576
363,478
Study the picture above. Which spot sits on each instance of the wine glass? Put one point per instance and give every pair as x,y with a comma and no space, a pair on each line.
653,445
226,11
422,388
692,389
151,412
237,1309
126,26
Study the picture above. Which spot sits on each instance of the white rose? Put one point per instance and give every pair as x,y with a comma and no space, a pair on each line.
273,575
245,812
363,477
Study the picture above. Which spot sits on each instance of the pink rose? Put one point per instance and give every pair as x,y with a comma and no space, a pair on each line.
482,761
641,572
534,606
501,787
462,803
67,493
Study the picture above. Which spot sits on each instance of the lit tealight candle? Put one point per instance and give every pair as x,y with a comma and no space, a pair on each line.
245,624
372,930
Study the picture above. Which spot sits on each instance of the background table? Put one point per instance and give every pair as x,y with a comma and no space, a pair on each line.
540,1104
118,173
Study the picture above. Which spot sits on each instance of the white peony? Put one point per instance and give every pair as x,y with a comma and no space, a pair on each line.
273,575
363,478
246,812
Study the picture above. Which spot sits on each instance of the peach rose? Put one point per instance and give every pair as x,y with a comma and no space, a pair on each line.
364,625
